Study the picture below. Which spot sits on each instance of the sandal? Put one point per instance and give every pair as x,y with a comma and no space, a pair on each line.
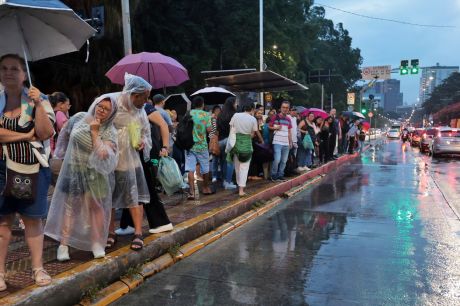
2,281
190,197
111,240
43,280
137,243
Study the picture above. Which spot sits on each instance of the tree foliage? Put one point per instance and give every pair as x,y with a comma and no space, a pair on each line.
213,35
443,95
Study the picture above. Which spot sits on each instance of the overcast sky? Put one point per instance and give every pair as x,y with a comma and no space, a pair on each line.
387,43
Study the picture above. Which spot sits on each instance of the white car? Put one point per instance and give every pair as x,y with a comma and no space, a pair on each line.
394,133
447,141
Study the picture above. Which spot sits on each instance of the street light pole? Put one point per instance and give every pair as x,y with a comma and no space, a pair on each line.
261,45
126,26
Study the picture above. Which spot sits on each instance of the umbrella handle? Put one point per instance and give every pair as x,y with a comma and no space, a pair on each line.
27,65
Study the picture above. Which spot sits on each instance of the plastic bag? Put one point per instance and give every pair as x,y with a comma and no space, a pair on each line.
134,131
169,175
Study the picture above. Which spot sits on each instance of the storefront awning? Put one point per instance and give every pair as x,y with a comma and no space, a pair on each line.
258,81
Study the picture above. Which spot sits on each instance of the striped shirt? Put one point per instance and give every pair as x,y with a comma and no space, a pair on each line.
21,151
281,136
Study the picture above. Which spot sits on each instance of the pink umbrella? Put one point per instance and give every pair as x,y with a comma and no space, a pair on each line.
159,70
366,125
317,112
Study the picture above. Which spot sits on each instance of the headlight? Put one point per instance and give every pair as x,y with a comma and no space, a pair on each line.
448,142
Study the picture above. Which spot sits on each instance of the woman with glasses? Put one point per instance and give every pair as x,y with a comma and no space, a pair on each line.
81,206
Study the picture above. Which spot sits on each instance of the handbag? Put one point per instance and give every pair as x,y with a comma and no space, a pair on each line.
21,180
214,147
307,143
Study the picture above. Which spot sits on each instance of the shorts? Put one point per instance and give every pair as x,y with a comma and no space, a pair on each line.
38,209
193,158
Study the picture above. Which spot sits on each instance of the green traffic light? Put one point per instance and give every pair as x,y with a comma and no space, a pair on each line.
364,111
404,71
414,70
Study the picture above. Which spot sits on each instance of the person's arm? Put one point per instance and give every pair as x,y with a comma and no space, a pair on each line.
301,125
158,120
272,123
208,124
7,136
43,125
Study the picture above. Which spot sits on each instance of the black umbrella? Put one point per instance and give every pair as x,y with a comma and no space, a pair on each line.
178,102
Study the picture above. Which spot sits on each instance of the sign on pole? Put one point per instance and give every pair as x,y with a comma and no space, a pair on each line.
371,72
370,114
351,98
268,97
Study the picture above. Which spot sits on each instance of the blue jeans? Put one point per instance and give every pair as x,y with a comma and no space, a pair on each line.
226,167
281,154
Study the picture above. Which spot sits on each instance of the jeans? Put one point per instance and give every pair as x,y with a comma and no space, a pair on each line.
226,167
281,154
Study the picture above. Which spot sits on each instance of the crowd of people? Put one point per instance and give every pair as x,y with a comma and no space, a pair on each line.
108,159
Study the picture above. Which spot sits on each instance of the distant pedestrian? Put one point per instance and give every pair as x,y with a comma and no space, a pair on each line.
281,126
61,106
352,135
198,154
223,129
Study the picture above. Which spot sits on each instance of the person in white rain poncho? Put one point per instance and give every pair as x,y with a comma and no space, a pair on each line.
133,129
80,210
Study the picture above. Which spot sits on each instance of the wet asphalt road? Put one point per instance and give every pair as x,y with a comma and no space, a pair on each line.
381,231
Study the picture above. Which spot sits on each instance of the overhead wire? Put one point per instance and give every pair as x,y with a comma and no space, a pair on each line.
386,19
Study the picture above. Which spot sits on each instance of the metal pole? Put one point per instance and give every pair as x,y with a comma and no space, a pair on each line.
261,45
126,26
332,101
322,96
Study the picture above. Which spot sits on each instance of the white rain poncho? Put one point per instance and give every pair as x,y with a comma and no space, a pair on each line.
80,210
133,128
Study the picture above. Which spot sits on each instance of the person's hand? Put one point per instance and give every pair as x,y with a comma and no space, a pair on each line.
95,125
34,94
163,152
141,146
30,136
295,146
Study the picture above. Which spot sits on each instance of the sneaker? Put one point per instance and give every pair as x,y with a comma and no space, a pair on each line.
125,231
63,253
300,169
214,179
228,185
98,251
306,168
281,179
273,179
161,229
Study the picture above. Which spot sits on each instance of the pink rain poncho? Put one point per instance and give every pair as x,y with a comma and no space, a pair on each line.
80,210
133,128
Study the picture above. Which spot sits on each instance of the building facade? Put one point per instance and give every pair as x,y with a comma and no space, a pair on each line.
387,93
432,77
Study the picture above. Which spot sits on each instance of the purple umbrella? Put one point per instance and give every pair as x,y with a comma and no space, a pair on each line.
159,70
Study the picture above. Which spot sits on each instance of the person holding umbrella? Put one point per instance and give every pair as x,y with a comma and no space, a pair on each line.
26,115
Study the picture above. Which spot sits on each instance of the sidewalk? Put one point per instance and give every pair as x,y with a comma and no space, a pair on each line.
191,219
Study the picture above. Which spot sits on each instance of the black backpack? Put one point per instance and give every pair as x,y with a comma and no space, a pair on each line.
184,133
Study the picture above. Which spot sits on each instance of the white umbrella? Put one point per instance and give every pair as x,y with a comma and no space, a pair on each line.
213,95
359,115
40,29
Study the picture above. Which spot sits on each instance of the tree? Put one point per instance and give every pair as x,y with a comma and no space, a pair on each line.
448,92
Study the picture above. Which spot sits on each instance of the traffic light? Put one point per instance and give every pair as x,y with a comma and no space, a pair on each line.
404,67
414,66
364,109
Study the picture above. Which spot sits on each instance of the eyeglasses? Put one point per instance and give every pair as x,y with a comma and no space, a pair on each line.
105,109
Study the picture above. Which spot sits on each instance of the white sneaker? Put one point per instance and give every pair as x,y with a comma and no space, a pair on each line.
63,253
300,169
98,251
228,185
125,231
306,168
214,179
161,229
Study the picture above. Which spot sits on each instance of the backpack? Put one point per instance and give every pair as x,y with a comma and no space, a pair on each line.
184,133
362,136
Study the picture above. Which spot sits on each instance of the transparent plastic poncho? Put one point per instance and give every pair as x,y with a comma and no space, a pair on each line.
80,211
133,129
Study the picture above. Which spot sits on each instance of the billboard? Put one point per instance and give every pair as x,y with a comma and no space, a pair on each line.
381,72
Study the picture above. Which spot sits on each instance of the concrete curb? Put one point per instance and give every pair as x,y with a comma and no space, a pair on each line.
209,227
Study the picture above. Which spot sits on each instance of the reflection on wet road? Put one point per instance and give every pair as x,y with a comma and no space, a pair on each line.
377,232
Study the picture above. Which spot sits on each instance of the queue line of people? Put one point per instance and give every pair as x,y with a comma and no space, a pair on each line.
107,157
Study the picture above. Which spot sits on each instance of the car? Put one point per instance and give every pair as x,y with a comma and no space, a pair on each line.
416,137
394,133
427,139
447,141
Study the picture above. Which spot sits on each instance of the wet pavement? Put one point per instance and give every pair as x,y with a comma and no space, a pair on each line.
381,231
